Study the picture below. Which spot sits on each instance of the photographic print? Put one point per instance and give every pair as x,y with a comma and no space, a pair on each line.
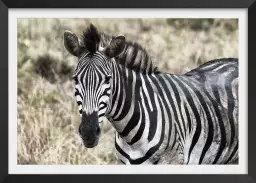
110,91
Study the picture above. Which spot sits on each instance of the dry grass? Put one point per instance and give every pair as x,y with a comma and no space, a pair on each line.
47,112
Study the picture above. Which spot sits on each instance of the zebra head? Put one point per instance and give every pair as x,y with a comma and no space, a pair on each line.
93,79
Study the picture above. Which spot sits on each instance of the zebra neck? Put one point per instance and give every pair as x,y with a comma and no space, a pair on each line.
123,93
139,98
125,102
133,108
139,117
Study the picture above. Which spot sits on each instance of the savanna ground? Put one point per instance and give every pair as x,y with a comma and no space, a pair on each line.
48,116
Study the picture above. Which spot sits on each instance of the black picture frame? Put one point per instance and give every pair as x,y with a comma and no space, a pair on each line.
6,4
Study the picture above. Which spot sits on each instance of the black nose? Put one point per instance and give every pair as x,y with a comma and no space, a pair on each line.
88,132
89,127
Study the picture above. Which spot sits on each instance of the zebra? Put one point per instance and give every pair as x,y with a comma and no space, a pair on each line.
159,118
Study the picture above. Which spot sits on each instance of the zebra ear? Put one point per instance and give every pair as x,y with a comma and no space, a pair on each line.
116,46
72,43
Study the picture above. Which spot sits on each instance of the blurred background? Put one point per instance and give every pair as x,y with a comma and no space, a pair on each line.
48,115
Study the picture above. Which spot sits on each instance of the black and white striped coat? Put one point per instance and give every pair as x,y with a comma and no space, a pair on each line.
157,116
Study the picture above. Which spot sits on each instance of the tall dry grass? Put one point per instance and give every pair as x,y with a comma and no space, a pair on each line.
47,112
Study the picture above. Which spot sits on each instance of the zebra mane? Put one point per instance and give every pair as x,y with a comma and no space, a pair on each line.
91,39
134,56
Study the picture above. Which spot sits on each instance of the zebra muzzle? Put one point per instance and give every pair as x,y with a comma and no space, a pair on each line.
89,130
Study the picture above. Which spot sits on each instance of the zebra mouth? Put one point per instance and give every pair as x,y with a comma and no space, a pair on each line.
90,144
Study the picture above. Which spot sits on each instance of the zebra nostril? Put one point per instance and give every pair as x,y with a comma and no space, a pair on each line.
97,130
81,130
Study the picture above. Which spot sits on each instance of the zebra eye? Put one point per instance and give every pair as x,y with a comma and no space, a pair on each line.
75,78
107,79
